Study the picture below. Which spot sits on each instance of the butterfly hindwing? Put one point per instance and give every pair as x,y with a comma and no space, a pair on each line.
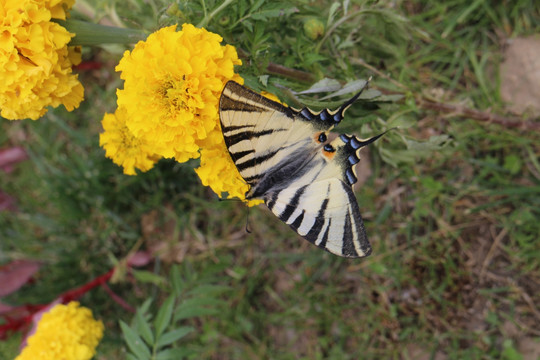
326,214
304,178
320,204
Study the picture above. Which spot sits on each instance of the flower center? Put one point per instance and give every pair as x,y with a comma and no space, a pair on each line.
175,94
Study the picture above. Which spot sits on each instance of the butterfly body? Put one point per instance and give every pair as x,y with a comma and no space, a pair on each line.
287,158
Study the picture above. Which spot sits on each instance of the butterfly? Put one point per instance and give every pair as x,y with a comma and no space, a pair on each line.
287,159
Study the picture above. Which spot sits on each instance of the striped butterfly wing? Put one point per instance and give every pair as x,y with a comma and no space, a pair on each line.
261,133
284,156
321,205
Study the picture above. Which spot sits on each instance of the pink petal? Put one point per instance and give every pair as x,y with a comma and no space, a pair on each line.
11,156
16,274
140,258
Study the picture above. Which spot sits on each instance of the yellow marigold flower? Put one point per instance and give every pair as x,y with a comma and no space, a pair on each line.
173,82
218,171
122,146
65,332
35,61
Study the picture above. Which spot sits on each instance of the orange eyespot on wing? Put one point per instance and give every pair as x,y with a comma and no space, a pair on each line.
329,151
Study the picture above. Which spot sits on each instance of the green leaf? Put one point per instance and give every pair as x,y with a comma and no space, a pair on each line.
177,282
199,302
195,311
173,354
174,335
143,327
164,315
349,88
208,289
134,342
323,85
148,277
401,120
512,163
332,13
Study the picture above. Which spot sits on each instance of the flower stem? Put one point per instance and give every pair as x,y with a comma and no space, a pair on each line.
207,19
95,34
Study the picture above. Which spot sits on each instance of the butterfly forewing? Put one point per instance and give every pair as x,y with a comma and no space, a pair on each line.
258,132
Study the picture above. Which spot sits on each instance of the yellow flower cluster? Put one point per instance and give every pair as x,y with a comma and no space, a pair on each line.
35,61
173,81
65,332
169,106
122,146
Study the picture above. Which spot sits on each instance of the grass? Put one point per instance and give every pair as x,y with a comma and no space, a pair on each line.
451,205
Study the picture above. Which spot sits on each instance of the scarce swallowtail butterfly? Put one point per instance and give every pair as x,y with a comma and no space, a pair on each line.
287,159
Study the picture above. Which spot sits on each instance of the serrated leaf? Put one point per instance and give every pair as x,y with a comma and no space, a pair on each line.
164,315
174,335
143,327
195,311
134,342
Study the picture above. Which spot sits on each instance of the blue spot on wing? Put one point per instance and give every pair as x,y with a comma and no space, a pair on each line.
307,114
351,179
353,159
324,115
355,143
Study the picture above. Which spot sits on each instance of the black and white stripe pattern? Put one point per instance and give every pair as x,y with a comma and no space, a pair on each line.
305,180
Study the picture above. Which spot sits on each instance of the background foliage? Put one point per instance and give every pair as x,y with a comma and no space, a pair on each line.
451,204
